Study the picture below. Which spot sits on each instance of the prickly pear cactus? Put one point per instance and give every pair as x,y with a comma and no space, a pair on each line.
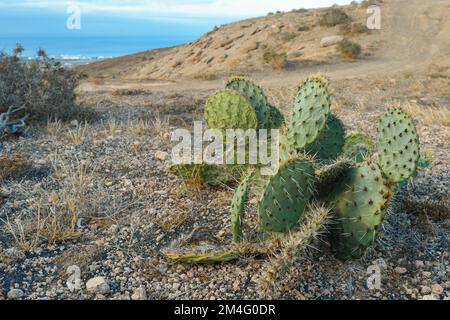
330,175
329,144
227,109
398,145
256,96
360,201
310,112
286,195
237,210
276,118
357,146
286,151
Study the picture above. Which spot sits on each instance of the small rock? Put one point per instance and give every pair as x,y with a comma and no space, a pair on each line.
419,264
15,294
97,285
401,270
331,41
161,155
426,274
139,294
437,289
430,297
425,290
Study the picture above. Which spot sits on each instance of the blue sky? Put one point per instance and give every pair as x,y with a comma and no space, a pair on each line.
176,21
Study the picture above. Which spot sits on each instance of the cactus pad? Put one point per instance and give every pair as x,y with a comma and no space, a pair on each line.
360,201
310,112
276,118
398,145
286,195
357,146
330,142
237,210
256,96
330,175
228,109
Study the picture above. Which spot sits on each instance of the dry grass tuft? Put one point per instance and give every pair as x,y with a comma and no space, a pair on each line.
13,166
128,92
428,116
349,49
333,18
79,134
277,61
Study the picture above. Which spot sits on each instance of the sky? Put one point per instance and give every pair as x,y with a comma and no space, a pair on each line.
178,20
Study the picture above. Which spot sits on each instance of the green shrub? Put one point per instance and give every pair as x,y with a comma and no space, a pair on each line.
43,87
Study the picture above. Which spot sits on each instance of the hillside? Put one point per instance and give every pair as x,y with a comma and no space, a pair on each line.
413,34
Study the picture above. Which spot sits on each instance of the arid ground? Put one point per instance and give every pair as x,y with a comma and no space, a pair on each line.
97,194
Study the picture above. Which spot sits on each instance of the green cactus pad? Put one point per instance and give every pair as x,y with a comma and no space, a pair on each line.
286,151
357,146
310,113
330,142
276,119
286,195
228,109
237,210
256,96
360,201
398,145
330,175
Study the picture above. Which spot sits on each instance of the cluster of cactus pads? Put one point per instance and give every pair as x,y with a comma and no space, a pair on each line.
325,174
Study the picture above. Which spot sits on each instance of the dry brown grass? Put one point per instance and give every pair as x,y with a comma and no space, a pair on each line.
56,214
205,76
355,28
333,18
13,166
128,92
349,49
428,116
277,61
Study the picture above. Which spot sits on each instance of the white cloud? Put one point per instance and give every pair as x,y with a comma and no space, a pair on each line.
178,8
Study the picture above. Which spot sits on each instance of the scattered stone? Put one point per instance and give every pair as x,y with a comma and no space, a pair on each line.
401,270
419,264
97,285
139,294
437,289
15,294
430,297
425,290
331,41
161,155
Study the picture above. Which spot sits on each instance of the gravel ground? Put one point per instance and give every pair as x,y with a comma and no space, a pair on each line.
130,208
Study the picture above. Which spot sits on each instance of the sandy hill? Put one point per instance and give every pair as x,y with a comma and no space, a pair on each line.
414,34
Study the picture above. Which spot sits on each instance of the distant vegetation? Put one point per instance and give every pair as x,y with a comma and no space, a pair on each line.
42,89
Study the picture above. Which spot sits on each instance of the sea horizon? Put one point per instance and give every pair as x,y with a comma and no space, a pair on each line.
86,48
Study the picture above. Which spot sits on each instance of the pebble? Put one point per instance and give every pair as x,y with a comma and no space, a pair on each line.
139,294
437,289
425,290
161,155
401,270
97,285
15,294
419,264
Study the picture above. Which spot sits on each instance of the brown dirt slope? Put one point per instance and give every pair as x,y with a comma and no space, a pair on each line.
414,34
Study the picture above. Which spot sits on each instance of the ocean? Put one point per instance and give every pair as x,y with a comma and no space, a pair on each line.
84,49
